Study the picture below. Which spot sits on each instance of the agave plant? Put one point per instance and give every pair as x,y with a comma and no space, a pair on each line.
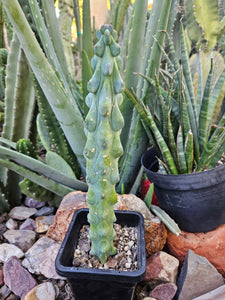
60,99
181,127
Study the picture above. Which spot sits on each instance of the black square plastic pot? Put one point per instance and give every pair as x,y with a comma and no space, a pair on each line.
195,201
99,284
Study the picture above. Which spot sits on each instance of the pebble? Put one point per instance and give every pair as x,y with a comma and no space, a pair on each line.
40,258
28,224
8,250
30,202
4,292
164,291
17,278
44,291
45,211
24,239
43,223
124,243
22,212
11,224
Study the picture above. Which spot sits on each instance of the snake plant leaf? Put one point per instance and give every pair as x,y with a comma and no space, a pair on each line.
180,152
166,219
205,113
206,10
189,152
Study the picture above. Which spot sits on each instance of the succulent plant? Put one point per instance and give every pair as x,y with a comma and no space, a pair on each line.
104,122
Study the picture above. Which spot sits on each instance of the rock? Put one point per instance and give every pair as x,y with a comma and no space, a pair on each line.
1,277
161,268
210,245
3,229
45,211
30,202
24,239
13,297
44,291
40,258
17,278
11,224
29,224
197,277
3,218
134,203
4,292
8,250
71,203
43,223
164,291
76,200
22,212
217,294
155,235
149,298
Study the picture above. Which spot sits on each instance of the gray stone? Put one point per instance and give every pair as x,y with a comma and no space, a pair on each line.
3,229
45,211
11,224
43,223
29,224
17,278
30,202
8,250
40,258
164,291
217,294
4,292
198,276
44,291
24,239
22,212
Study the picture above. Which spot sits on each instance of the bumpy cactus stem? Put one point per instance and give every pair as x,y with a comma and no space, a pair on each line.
104,122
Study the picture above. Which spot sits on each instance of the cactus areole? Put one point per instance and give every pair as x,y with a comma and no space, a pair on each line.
104,122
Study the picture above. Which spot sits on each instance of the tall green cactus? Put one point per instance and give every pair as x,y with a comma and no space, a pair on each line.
103,148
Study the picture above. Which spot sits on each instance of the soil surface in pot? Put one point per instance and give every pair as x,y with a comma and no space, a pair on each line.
125,258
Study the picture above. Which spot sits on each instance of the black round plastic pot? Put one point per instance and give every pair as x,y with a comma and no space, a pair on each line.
96,284
195,201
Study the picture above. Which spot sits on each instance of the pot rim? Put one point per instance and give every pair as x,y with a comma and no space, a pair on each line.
216,175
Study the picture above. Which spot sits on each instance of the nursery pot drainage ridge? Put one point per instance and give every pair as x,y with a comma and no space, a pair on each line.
99,284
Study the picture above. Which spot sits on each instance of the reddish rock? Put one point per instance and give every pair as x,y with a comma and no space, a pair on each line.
161,268
71,203
210,245
164,291
18,279
155,235
1,277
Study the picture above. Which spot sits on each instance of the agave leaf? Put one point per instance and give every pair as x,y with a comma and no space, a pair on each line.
51,185
41,168
57,162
